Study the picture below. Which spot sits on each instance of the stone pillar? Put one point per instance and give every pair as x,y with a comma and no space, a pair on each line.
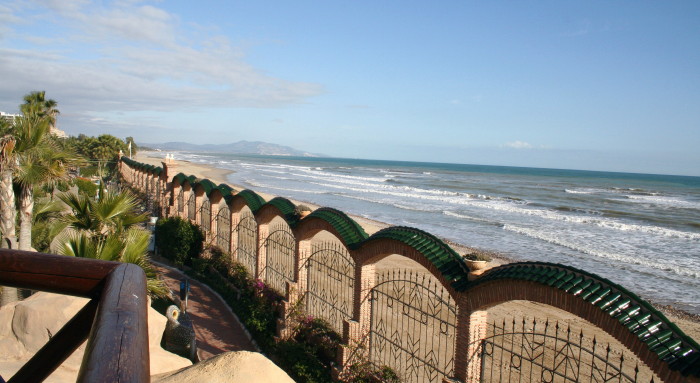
476,326
185,201
356,343
230,231
301,271
198,198
213,222
174,191
285,323
235,220
261,258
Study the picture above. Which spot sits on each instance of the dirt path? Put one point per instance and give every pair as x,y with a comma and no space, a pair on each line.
216,327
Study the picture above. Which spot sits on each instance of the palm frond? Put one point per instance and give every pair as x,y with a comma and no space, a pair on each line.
77,245
81,219
111,248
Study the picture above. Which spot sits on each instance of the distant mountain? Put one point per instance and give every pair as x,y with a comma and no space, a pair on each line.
240,147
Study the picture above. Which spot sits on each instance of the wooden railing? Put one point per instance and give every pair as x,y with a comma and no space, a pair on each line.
114,321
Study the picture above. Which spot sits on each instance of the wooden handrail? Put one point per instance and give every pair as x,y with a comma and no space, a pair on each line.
115,318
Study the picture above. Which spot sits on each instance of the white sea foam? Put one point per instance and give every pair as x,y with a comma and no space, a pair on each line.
270,187
584,191
374,185
581,247
666,201
469,217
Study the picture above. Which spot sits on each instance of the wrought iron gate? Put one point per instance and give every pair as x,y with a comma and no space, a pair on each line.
181,201
247,250
280,246
330,283
223,228
205,217
413,327
532,351
191,207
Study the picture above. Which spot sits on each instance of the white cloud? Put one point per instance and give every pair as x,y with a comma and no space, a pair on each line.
131,57
519,145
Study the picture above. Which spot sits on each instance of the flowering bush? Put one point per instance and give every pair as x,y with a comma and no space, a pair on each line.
318,333
366,372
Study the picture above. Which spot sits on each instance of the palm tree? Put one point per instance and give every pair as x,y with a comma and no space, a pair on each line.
107,229
8,213
130,247
113,213
40,162
36,103
47,223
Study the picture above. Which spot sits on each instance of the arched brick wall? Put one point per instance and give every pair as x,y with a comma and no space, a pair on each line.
656,341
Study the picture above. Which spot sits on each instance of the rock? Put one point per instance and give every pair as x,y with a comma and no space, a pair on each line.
230,367
27,325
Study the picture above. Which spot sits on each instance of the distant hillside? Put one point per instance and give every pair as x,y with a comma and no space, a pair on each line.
240,147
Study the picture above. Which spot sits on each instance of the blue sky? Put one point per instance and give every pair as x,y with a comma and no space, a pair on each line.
592,85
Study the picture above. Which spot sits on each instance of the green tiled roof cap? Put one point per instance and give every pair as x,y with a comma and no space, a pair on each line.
207,185
443,257
253,200
662,337
180,178
350,231
286,207
225,189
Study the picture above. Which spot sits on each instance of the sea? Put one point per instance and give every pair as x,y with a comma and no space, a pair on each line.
640,231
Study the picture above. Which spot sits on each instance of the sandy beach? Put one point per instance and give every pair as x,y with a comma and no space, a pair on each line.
688,323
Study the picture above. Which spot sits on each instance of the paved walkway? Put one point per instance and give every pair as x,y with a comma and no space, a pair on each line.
216,328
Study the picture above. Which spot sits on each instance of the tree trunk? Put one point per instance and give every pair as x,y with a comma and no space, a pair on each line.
26,208
8,212
8,217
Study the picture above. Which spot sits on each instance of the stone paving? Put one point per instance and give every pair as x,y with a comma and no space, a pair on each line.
216,328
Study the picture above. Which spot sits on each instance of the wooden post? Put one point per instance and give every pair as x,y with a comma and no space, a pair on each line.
117,350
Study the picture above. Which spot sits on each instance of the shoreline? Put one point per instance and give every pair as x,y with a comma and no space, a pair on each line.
219,176
688,322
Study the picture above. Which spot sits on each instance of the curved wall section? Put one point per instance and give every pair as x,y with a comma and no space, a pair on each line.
655,340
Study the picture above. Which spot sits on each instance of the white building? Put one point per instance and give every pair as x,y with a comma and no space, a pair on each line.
54,130
8,117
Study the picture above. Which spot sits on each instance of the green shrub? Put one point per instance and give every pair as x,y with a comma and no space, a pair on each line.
88,171
86,186
300,362
179,240
365,372
318,333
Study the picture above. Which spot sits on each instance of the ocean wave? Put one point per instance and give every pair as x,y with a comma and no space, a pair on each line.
508,205
614,190
333,176
607,223
667,201
471,218
584,191
382,188
549,237
256,184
